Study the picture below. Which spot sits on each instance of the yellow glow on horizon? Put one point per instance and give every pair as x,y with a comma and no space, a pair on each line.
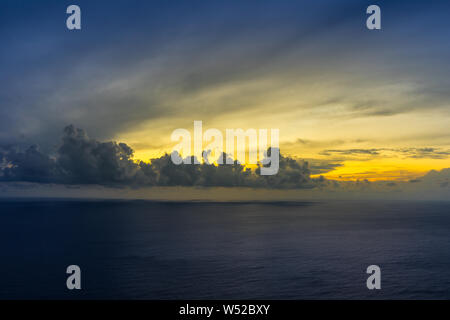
385,169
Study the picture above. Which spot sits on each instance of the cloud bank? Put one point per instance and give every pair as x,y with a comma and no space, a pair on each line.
81,160
82,166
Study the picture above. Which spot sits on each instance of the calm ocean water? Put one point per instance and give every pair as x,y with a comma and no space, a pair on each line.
156,250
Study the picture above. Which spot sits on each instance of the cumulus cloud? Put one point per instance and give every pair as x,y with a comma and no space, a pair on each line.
81,160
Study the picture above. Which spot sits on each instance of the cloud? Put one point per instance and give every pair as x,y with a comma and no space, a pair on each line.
319,166
351,151
81,160
432,153
438,177
415,153
292,174
30,165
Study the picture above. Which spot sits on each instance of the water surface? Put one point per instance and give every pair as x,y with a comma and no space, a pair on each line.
161,250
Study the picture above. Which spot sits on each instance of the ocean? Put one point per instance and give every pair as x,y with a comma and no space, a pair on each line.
211,250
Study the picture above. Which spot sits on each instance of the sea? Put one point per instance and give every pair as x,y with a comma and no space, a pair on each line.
136,249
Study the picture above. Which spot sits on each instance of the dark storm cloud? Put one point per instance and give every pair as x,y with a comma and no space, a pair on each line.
81,160
87,161
78,160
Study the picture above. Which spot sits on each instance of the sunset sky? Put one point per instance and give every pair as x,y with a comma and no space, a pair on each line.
356,104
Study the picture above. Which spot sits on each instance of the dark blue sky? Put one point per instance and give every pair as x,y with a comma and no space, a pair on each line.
171,50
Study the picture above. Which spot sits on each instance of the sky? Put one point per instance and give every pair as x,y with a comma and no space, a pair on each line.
354,104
